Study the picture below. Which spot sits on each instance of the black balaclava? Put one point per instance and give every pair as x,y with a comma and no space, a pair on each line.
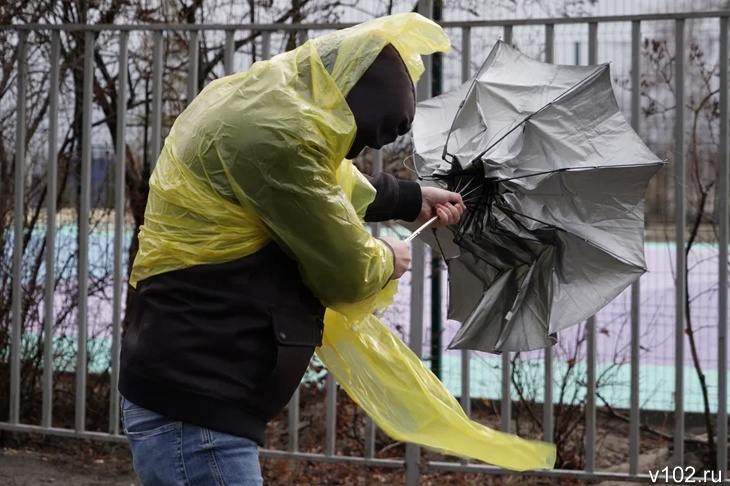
383,102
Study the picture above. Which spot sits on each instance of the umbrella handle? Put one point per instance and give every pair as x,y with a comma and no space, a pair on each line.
423,227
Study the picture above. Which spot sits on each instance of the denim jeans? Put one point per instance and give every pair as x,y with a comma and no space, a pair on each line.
167,452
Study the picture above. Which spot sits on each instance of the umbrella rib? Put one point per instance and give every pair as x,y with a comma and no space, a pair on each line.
512,211
552,226
470,192
570,169
441,249
460,176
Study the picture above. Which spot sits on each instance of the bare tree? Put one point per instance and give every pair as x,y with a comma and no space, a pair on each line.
702,170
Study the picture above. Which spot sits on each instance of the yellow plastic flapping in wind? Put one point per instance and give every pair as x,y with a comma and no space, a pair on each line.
258,156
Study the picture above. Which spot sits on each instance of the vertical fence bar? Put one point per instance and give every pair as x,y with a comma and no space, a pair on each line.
293,416
84,215
18,223
591,323
370,427
157,68
508,35
51,194
549,42
425,84
266,45
228,53
634,413
424,88
193,53
465,398
547,406
506,394
436,314
505,407
330,415
465,353
681,263
465,54
590,434
369,438
120,158
723,215
413,452
302,37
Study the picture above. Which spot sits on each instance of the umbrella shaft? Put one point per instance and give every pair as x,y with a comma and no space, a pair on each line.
423,227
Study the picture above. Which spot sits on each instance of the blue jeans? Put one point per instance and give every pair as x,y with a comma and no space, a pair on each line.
167,452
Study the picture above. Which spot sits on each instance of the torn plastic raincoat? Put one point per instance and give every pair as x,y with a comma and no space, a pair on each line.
225,185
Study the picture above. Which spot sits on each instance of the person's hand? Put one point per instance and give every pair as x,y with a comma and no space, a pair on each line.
401,255
447,205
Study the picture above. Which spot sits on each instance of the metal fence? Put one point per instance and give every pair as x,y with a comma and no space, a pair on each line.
43,148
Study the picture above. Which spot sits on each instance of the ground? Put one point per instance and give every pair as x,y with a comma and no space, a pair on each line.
29,467
42,465
90,464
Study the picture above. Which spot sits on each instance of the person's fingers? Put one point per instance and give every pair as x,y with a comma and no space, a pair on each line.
453,213
455,199
442,215
436,196
461,207
448,206
448,214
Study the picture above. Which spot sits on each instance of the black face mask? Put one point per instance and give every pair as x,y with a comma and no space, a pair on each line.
383,102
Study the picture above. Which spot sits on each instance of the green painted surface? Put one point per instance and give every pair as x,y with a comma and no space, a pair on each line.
614,382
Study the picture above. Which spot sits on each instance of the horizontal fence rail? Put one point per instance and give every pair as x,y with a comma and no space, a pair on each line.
337,26
81,286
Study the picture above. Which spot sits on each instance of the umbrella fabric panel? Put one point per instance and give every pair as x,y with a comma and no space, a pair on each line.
509,88
433,121
604,206
466,286
582,129
513,312
585,280
522,308
468,122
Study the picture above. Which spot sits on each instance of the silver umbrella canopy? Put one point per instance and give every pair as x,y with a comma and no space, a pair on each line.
554,179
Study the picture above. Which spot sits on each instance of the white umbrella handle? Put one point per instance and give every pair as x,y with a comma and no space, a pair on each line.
423,227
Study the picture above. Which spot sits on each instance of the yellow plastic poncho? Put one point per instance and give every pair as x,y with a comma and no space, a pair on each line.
259,156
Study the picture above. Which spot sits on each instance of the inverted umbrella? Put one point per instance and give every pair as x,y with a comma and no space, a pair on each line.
554,180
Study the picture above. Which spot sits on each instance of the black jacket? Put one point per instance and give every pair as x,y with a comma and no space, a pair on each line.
224,346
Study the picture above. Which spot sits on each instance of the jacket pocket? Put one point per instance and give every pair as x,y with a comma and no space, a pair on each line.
295,337
297,331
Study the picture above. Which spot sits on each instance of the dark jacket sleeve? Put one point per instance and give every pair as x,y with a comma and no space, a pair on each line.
394,199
